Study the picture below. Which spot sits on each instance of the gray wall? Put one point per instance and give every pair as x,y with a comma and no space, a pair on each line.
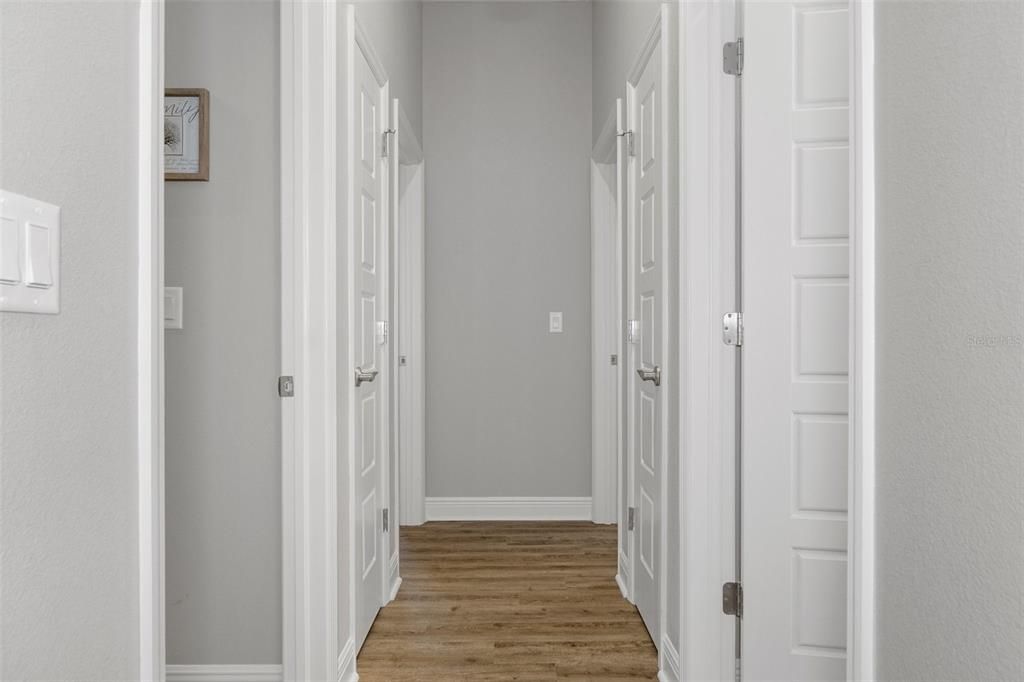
619,29
68,490
507,140
950,326
223,502
395,29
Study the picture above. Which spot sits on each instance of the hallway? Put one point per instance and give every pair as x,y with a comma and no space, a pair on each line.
508,601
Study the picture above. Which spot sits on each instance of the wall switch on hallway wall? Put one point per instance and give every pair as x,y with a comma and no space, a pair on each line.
555,323
174,302
29,255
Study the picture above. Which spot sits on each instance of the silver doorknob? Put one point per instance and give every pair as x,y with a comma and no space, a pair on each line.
650,374
362,375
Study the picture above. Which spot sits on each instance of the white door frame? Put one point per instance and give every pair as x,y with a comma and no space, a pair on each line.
708,255
310,348
152,636
606,303
410,258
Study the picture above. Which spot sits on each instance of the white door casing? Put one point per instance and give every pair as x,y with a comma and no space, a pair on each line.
392,470
369,306
410,343
795,263
625,384
647,291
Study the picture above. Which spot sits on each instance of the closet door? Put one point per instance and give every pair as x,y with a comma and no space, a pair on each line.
647,300
369,265
796,340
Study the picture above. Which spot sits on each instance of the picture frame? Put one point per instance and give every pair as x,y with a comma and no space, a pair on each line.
187,134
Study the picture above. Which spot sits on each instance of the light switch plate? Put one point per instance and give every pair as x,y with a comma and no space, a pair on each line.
29,255
555,323
174,304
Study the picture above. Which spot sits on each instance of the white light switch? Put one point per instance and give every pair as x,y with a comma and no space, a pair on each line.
38,257
555,323
10,251
174,301
29,255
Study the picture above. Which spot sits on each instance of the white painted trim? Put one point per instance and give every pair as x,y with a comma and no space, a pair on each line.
224,673
412,303
347,662
708,276
604,339
621,582
150,369
860,639
508,508
309,338
669,662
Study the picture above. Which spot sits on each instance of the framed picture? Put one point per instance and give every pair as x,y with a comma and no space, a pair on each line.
186,134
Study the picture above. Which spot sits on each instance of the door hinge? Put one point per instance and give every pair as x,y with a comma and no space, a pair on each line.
630,518
383,331
615,359
387,522
628,135
402,361
386,148
732,329
732,599
732,58
286,386
632,331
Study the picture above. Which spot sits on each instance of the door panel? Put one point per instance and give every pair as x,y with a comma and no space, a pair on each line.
795,349
369,263
647,288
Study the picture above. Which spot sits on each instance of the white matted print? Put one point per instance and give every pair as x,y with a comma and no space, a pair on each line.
186,134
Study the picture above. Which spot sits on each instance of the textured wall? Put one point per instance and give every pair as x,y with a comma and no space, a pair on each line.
507,141
223,430
950,340
68,490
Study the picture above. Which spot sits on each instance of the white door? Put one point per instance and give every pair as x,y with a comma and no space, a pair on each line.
647,290
369,265
795,291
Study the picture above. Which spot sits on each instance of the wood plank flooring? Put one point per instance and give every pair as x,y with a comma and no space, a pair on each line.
487,601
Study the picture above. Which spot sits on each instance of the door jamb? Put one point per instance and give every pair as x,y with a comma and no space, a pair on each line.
410,330
860,630
310,424
606,285
150,337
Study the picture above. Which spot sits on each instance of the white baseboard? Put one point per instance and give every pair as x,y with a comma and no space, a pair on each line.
224,673
509,508
347,662
669,662
621,582
394,589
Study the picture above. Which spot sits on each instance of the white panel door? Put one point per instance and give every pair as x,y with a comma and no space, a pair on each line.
647,292
795,348
369,265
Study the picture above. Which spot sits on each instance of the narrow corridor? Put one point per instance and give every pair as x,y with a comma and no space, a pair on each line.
488,601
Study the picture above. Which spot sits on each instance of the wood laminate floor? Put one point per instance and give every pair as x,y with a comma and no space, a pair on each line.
487,601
